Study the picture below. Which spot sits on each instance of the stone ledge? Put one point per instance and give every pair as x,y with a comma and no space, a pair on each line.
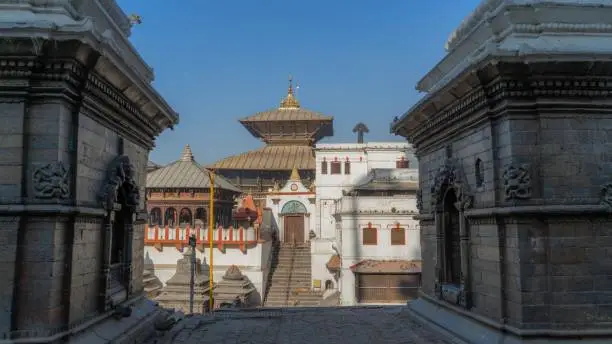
553,209
472,328
50,209
563,209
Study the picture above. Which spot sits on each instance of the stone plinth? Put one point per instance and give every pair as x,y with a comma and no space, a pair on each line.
515,176
234,285
78,117
176,292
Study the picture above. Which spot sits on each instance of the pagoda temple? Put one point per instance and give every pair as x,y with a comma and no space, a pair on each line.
178,194
289,133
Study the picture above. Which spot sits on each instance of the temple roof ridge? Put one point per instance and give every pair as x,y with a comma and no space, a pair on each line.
186,173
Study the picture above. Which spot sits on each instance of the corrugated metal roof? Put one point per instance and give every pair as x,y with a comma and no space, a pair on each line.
273,157
292,114
185,174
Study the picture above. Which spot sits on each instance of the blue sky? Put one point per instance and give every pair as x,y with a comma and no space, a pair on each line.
216,61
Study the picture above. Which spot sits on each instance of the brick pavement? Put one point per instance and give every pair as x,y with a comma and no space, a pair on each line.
353,325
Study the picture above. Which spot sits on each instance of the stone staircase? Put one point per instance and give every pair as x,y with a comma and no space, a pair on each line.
289,281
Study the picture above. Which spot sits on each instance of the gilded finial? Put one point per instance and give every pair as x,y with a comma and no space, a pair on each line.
295,175
290,102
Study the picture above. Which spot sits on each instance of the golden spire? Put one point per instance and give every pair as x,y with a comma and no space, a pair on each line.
290,102
295,175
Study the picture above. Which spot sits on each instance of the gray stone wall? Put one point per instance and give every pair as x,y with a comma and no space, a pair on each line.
9,226
542,261
86,272
59,134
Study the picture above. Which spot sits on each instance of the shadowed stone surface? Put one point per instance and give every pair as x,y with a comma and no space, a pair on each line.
314,325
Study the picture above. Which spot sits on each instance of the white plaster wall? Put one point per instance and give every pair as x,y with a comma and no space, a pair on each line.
363,158
353,251
254,264
321,251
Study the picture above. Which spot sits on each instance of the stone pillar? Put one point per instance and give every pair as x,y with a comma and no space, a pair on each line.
62,114
532,105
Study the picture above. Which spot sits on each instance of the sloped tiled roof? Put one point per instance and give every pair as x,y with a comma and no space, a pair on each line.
186,173
297,114
273,157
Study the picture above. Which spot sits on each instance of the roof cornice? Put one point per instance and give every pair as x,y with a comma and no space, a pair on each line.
525,30
102,25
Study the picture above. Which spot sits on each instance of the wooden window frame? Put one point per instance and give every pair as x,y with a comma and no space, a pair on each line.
347,167
397,230
364,231
402,164
335,167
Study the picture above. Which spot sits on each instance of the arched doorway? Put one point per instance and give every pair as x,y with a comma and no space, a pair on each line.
293,214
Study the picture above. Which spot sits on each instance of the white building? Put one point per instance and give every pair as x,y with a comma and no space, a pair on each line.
340,169
379,251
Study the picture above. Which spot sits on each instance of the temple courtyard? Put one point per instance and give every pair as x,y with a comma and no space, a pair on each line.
354,325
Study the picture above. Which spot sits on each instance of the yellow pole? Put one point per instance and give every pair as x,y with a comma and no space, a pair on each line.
211,226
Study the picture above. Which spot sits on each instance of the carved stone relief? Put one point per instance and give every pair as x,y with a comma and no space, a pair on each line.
450,175
606,195
120,182
517,182
52,181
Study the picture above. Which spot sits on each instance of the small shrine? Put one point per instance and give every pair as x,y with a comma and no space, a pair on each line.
234,285
292,206
176,292
247,214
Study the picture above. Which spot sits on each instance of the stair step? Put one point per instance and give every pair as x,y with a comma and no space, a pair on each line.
302,271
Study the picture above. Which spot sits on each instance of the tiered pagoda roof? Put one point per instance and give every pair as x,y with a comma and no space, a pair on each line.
289,132
186,173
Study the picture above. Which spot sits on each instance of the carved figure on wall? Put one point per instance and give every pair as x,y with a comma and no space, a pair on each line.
419,200
517,182
606,195
276,187
51,181
120,183
450,175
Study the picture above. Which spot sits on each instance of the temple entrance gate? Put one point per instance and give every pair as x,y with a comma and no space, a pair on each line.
293,214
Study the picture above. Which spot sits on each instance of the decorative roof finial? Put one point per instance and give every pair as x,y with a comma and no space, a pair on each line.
290,102
360,129
295,175
187,154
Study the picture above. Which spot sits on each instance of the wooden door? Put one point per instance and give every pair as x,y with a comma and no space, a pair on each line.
387,288
294,229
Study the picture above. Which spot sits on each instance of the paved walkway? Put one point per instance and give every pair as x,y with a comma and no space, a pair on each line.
368,325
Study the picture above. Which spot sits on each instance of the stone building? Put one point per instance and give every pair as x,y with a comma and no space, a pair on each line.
513,141
78,117
289,133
